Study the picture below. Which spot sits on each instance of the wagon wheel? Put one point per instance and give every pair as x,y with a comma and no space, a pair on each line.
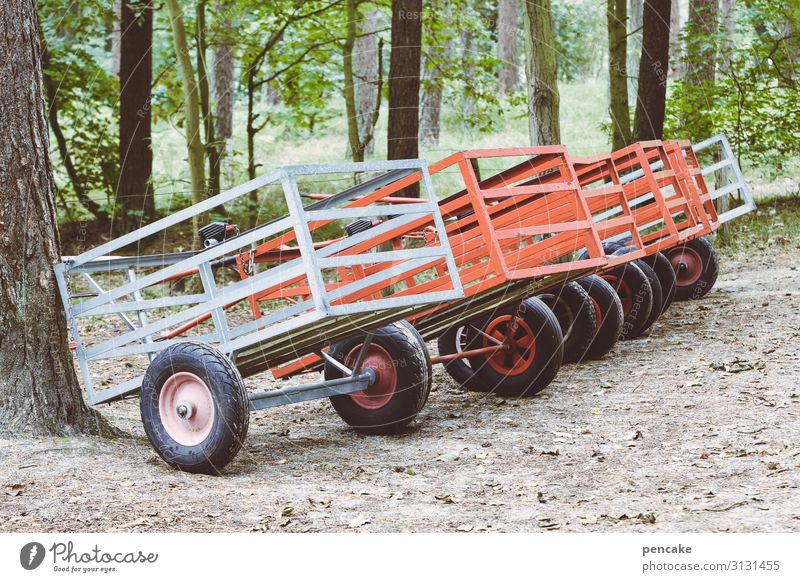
576,315
636,297
534,349
402,368
608,309
660,264
455,340
194,407
696,268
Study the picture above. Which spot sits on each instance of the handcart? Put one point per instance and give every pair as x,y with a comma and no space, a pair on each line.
515,232
193,400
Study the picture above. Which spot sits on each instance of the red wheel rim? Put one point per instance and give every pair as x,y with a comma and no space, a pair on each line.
186,408
383,388
521,341
623,290
688,265
598,322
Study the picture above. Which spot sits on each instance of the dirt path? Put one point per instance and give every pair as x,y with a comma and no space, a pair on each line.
696,428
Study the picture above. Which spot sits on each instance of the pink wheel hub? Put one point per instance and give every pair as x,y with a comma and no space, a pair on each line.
186,408
688,266
380,392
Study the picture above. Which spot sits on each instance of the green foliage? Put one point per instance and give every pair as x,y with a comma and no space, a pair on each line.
458,46
579,30
755,99
295,48
77,38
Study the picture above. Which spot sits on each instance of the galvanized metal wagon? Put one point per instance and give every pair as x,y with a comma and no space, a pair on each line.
181,316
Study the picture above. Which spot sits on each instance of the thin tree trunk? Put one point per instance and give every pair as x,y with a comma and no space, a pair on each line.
134,190
675,67
541,72
356,153
701,60
404,83
635,15
727,19
39,393
115,36
619,108
194,144
508,76
435,56
430,121
223,74
366,63
211,149
648,120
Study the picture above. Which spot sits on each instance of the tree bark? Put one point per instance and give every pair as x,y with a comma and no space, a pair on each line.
356,153
648,121
508,76
366,70
727,18
675,67
39,393
134,190
635,15
541,72
194,145
701,60
223,72
204,86
435,57
619,108
404,83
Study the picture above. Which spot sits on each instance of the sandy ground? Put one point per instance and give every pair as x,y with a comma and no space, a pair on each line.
694,428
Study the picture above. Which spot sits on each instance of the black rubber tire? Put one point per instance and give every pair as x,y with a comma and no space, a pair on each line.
231,411
631,280
450,342
663,270
710,268
658,298
575,313
414,379
547,358
655,288
610,317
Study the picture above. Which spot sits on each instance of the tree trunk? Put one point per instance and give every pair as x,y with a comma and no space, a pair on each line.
39,393
634,40
675,68
356,153
194,145
211,145
619,109
223,73
727,19
701,60
508,77
366,70
404,82
541,72
115,36
648,121
430,121
436,55
134,190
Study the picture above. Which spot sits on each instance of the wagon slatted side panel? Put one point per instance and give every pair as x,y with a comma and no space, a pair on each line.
312,294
